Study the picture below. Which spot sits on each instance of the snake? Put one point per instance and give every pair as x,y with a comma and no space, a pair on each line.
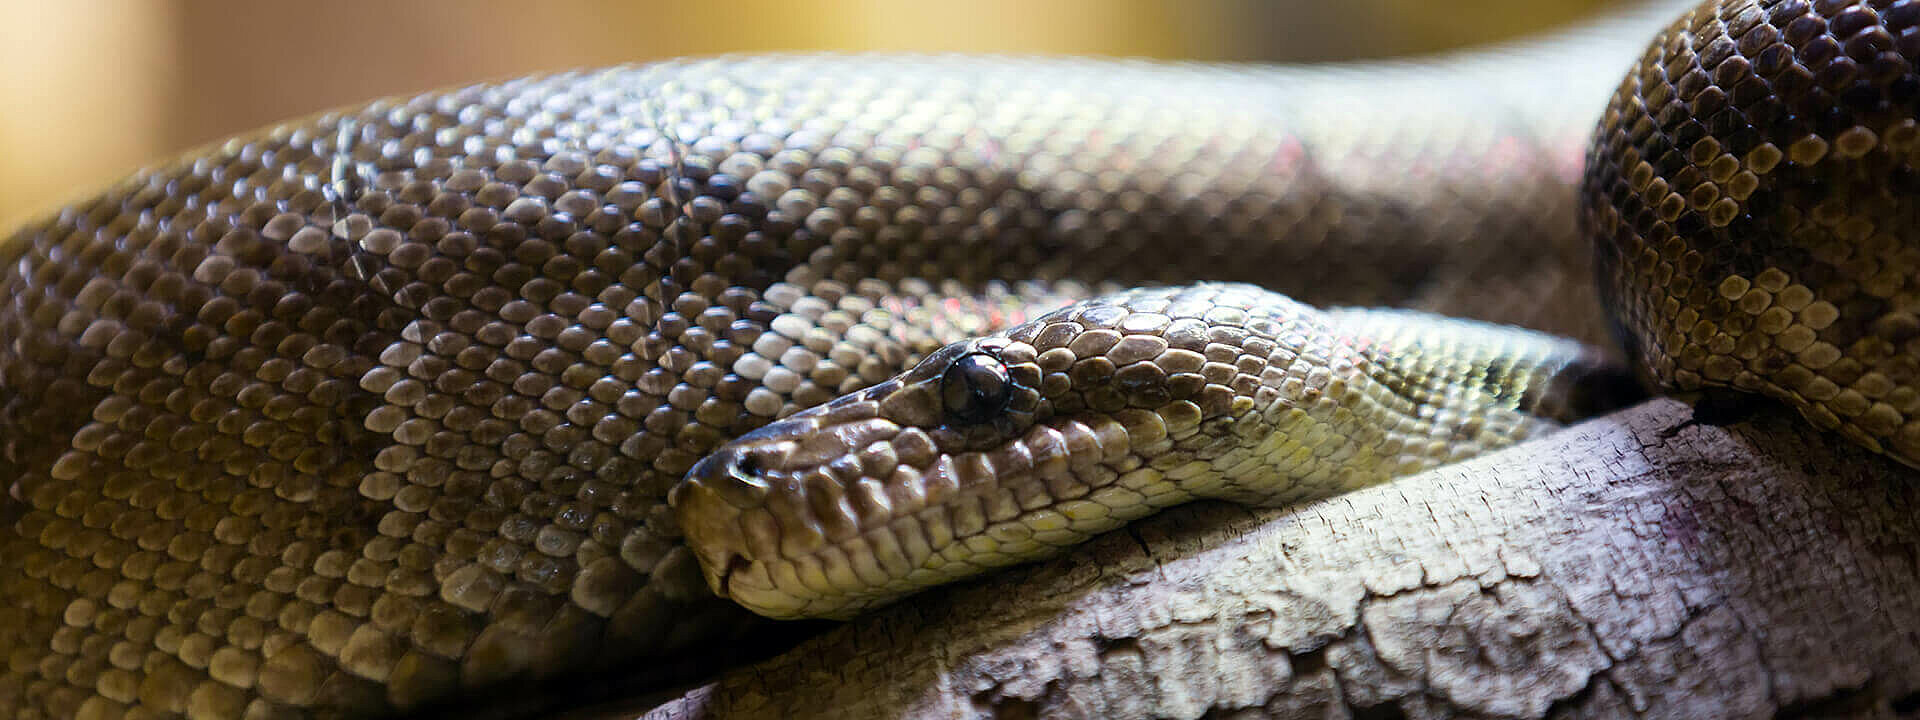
478,391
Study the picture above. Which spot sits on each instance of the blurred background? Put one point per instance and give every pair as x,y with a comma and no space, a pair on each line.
93,89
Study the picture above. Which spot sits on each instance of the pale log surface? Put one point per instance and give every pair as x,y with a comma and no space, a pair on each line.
1636,565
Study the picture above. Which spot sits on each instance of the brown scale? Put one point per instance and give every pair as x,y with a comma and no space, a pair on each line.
1751,187
282,443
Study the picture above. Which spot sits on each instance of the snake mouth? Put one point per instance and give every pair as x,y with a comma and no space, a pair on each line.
735,563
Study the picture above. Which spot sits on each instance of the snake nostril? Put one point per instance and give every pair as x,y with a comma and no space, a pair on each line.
735,476
745,468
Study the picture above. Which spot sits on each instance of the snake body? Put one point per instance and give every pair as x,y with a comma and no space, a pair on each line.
382,407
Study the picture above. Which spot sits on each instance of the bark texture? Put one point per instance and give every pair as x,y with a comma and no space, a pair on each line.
1638,565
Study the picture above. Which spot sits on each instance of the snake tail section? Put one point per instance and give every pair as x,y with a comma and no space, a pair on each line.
1003,449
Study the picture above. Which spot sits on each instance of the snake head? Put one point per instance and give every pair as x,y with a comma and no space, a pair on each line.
989,452
810,503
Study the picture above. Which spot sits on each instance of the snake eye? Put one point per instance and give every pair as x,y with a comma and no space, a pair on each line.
975,388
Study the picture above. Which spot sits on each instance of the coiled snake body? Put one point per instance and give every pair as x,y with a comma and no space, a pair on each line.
383,407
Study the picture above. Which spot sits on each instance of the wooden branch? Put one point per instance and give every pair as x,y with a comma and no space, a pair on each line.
1636,565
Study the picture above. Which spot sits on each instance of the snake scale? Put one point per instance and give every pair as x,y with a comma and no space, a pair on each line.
383,408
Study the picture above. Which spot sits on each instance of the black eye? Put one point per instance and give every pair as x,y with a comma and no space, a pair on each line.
975,388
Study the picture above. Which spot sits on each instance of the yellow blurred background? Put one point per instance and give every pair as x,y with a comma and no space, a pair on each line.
92,89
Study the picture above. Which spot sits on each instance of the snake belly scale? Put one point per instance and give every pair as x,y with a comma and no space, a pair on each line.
382,407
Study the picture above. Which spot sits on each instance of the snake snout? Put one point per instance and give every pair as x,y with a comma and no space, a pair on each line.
743,471
710,502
